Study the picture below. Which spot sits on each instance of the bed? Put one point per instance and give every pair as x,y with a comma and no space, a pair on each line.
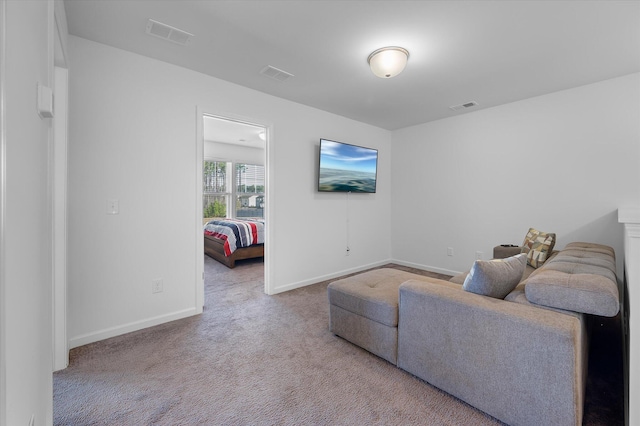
228,240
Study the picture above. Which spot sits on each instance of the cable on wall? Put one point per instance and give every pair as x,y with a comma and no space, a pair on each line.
347,224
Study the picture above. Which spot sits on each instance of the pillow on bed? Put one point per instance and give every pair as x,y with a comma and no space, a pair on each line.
495,278
538,246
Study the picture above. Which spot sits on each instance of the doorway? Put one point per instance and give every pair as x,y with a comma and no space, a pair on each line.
232,168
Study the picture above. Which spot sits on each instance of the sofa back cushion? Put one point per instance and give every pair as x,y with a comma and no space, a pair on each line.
495,278
579,278
587,293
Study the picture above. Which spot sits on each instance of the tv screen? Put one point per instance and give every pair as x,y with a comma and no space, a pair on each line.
346,168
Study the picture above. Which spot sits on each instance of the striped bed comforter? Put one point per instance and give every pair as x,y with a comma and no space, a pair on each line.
236,233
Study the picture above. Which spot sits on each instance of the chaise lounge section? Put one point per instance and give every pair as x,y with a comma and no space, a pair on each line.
363,309
523,360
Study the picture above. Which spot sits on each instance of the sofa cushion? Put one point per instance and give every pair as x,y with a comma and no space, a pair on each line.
372,294
497,277
569,267
518,296
592,247
588,292
585,258
459,279
538,246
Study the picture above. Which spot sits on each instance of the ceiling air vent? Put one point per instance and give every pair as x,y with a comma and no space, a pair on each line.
275,73
167,32
463,106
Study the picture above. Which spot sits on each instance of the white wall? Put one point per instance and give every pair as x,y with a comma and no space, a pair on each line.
132,137
26,217
562,162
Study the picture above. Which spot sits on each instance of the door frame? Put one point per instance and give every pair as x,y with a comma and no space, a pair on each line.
3,181
58,186
199,246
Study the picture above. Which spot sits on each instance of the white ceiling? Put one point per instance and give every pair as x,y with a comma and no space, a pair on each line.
233,132
491,52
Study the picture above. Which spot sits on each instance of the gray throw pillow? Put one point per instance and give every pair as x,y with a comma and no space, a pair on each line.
495,278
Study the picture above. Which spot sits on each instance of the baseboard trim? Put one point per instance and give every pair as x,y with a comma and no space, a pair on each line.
106,333
321,278
426,267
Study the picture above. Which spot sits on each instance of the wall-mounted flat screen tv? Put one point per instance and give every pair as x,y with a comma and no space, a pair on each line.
347,168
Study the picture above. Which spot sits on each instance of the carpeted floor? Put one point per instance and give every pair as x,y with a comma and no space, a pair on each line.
263,360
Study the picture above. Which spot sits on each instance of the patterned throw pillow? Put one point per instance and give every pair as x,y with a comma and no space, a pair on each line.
538,246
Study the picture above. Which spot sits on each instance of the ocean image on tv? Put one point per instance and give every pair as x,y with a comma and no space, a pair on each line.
345,168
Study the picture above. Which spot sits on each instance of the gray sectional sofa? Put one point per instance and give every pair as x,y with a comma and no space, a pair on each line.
522,359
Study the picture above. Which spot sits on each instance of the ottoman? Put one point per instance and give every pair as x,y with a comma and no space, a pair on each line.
363,309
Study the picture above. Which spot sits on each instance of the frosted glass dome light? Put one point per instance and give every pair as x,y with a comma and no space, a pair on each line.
388,62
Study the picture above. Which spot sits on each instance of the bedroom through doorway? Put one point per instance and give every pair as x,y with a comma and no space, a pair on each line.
233,194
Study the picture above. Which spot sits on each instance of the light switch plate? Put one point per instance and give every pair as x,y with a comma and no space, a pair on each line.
113,206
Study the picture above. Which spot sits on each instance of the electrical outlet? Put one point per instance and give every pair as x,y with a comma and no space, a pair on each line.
157,286
478,255
449,251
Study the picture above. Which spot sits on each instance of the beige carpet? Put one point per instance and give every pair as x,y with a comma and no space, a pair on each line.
251,359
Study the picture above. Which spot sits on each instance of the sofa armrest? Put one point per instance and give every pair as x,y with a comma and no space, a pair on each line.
520,364
502,252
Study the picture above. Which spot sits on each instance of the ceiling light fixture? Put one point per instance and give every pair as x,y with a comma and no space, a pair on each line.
388,62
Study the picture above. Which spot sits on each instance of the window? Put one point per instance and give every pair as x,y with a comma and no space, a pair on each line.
215,196
245,186
249,180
